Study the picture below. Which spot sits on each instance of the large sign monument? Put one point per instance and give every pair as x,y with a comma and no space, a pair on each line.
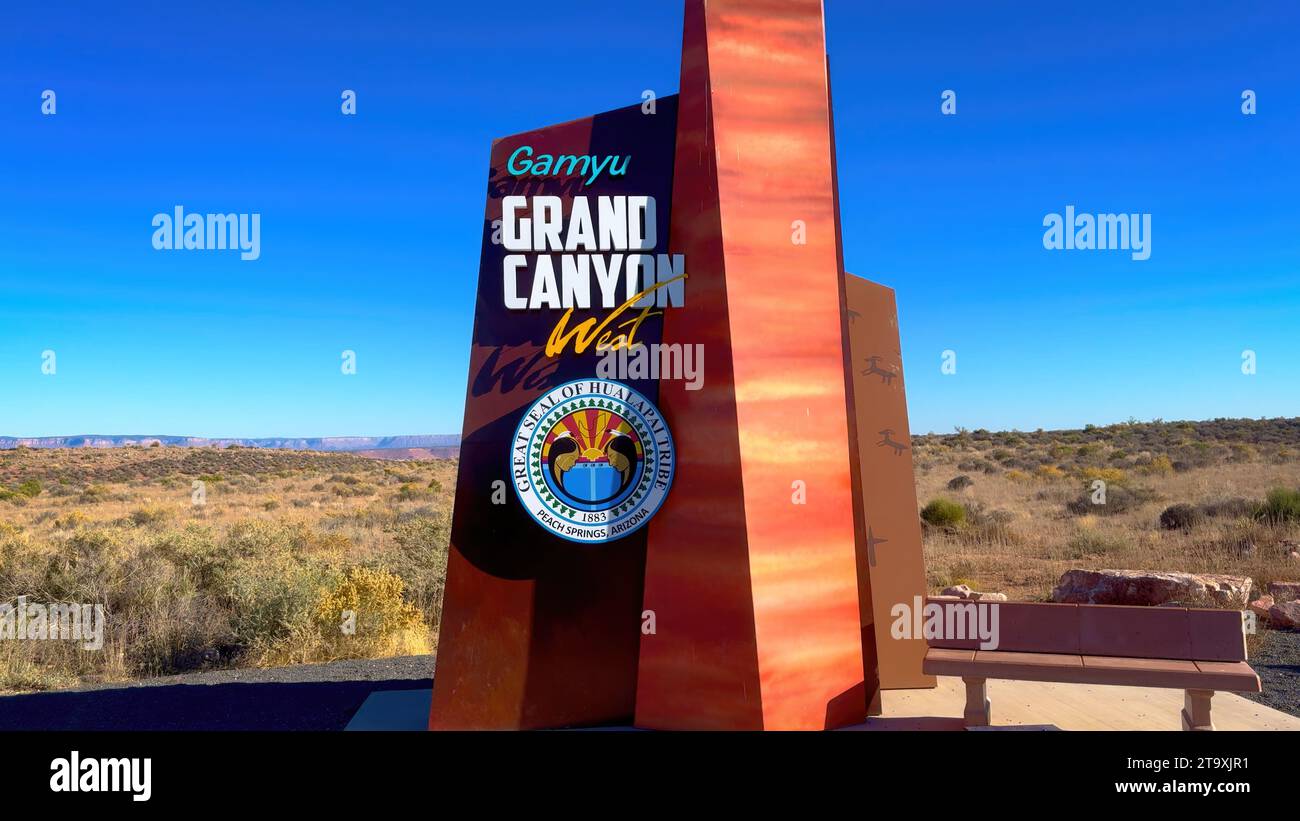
673,507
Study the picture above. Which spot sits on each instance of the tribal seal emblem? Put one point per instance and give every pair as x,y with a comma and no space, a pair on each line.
592,460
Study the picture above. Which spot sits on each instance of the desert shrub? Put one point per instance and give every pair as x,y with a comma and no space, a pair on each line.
30,488
270,504
1229,508
1281,505
435,485
385,623
272,600
374,515
352,489
1087,544
1158,466
25,666
94,493
149,515
420,559
71,520
988,527
192,547
14,550
1049,472
960,482
1180,517
1111,476
256,537
961,571
409,492
1017,475
87,567
944,513
1086,452
1119,499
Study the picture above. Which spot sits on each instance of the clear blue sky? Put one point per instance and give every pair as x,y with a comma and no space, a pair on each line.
371,224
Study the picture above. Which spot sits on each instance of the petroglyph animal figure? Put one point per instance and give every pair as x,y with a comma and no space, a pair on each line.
889,442
873,367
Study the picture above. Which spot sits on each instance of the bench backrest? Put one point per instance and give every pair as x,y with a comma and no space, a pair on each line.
1106,630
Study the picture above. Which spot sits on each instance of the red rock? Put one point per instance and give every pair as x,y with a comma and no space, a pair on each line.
1142,587
1261,606
1284,591
1286,614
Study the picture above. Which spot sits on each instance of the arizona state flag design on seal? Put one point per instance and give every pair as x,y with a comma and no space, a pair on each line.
592,460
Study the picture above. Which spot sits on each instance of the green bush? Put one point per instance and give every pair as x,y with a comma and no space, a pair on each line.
421,558
1281,505
273,601
944,513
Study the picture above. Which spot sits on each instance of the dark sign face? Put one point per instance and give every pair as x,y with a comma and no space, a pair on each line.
565,457
575,268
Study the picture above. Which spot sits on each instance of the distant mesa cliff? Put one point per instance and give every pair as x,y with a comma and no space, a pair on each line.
427,445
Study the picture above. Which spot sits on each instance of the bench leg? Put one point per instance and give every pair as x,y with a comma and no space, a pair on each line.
977,702
1196,710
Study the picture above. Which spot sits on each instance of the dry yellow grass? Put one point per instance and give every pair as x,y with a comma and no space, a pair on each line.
257,568
1024,534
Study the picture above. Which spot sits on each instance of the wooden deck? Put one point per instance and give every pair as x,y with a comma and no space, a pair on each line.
1032,705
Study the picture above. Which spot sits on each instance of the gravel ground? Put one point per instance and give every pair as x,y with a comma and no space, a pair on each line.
1277,661
302,697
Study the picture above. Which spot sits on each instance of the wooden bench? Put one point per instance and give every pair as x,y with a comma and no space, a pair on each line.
1197,651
